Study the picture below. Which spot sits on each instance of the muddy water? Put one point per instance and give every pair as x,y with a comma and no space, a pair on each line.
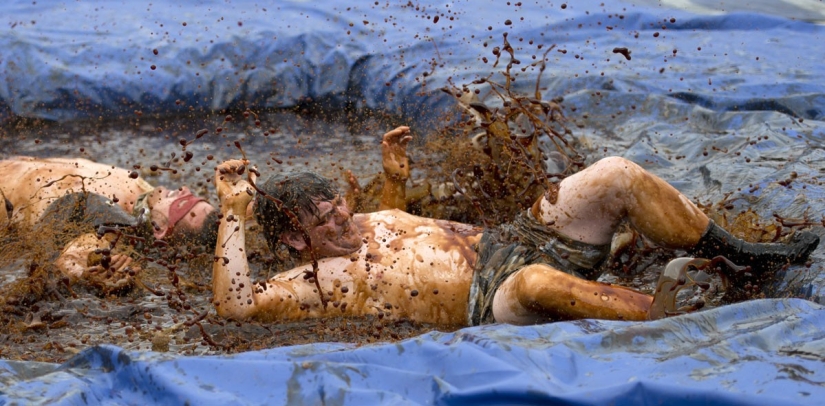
173,313
55,329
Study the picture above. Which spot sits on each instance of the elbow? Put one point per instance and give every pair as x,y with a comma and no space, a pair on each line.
237,312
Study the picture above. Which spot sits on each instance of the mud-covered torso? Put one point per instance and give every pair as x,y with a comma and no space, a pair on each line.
408,267
31,185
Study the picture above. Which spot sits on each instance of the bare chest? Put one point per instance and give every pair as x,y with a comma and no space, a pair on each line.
408,267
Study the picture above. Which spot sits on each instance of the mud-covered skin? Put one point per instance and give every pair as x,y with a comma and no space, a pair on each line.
396,166
32,184
405,259
591,204
589,207
408,267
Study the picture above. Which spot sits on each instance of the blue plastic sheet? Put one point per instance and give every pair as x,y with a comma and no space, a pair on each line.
719,105
755,353
90,59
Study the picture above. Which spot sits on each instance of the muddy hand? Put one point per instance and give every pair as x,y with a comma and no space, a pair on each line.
117,276
233,189
352,181
394,153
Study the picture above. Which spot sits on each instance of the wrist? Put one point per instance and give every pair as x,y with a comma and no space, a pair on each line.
396,177
234,208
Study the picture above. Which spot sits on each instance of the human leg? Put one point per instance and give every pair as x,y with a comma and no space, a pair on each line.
539,293
591,204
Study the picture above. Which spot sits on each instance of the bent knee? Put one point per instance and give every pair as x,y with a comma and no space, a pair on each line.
616,165
616,171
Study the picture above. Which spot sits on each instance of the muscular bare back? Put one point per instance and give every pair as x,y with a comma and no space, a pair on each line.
31,184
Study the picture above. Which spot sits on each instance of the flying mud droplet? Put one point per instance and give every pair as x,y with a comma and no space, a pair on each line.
622,50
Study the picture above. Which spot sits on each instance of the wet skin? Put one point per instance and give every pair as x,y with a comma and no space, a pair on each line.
160,201
405,260
32,184
332,231
404,267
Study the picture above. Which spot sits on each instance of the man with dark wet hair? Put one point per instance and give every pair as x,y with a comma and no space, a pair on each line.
537,268
73,198
298,192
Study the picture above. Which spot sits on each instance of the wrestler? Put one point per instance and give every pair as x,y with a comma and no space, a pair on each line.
59,193
538,268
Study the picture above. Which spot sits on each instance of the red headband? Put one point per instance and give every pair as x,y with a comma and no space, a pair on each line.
180,207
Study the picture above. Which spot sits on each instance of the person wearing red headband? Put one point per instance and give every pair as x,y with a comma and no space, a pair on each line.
76,197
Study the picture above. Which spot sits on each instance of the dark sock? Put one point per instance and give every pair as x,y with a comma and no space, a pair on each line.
763,258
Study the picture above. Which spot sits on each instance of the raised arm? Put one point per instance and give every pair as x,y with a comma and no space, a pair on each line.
396,168
288,296
231,286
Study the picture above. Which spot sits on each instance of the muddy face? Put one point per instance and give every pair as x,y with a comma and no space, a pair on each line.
164,202
332,232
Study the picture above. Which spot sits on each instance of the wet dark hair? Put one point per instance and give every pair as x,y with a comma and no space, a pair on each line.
296,191
206,236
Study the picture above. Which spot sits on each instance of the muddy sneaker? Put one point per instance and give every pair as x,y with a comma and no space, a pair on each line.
685,287
763,258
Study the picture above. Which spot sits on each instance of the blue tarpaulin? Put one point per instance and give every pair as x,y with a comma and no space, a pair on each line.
754,353
721,105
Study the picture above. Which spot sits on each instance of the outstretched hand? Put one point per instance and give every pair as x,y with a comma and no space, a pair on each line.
394,153
116,276
233,189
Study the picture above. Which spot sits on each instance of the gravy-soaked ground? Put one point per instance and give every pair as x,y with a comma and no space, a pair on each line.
407,265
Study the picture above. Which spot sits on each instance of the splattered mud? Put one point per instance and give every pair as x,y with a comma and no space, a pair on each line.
170,309
178,317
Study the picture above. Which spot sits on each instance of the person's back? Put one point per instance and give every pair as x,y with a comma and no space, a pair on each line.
67,200
31,184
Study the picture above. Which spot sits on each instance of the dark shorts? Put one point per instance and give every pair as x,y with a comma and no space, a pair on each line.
506,249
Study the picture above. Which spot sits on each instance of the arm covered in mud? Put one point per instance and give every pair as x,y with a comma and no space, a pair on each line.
87,258
396,168
284,297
